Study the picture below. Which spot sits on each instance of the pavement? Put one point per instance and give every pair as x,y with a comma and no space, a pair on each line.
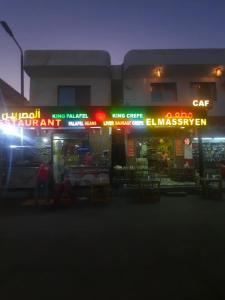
172,249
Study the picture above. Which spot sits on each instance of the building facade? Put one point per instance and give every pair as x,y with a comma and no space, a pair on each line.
160,113
191,78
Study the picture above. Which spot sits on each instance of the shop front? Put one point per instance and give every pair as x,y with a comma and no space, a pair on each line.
85,144
71,140
167,148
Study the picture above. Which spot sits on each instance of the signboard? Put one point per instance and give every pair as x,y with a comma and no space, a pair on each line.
179,147
80,117
130,147
201,103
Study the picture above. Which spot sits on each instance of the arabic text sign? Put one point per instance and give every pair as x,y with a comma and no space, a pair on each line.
36,114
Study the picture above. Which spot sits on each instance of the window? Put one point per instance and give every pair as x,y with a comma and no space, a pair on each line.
203,90
74,95
164,92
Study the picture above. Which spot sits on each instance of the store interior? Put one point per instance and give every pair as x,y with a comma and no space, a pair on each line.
80,155
173,158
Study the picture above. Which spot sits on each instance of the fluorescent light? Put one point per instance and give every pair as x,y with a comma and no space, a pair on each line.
211,139
13,146
219,138
44,139
10,130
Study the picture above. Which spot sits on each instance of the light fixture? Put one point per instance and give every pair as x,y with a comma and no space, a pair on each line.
158,72
45,140
10,130
218,72
13,146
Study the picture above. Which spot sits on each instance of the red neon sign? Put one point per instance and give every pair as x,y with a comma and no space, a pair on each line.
100,116
179,115
33,122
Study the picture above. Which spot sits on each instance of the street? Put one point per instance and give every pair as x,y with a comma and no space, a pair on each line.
174,249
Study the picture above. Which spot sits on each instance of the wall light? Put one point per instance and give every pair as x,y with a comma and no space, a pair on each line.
158,72
219,72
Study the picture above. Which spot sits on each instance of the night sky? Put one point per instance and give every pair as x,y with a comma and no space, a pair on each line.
116,26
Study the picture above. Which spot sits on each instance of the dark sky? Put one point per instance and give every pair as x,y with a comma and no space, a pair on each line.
113,25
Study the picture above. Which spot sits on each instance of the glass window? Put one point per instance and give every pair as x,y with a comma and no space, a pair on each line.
164,92
73,152
203,90
66,96
74,95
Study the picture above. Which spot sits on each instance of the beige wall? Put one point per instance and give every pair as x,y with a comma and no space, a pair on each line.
137,92
43,91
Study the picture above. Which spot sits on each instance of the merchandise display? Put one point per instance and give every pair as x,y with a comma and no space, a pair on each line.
213,153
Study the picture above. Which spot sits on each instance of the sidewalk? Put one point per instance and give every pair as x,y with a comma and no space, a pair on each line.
172,249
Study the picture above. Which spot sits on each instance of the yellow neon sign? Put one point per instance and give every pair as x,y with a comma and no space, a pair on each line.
22,115
168,122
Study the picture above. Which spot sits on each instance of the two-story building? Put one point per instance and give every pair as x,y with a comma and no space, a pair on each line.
153,113
177,81
69,83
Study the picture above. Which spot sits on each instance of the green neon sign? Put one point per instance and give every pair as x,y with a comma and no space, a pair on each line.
70,116
129,115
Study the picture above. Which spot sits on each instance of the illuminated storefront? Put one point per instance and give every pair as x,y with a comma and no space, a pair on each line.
80,141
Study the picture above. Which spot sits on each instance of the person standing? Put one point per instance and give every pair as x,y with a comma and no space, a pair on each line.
43,181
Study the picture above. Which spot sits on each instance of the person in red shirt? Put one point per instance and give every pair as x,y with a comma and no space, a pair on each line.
88,159
43,180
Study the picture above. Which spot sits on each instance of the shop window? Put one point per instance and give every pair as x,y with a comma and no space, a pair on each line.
203,90
74,95
73,152
163,92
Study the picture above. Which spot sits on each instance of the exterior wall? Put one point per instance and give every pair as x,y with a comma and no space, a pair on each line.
137,92
154,57
10,97
129,82
43,91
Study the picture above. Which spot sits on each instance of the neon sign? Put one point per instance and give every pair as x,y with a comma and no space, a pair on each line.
123,123
58,117
178,115
32,122
70,116
203,103
127,115
82,123
176,119
100,116
21,115
173,122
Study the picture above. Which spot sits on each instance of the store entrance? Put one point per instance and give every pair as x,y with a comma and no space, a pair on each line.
165,155
155,154
80,156
69,150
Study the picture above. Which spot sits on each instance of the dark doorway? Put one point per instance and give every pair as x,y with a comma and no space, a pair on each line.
118,148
